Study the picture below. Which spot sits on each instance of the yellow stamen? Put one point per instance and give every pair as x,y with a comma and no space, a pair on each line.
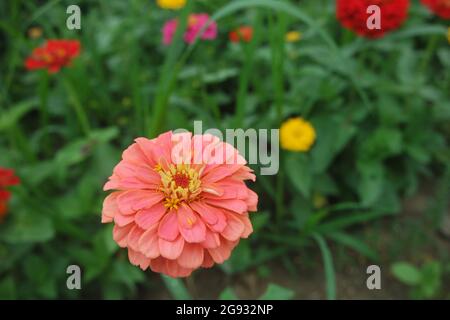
179,183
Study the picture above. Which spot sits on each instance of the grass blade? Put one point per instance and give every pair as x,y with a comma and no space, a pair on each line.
327,258
349,220
354,243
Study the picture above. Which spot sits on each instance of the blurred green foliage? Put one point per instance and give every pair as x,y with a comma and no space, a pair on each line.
426,282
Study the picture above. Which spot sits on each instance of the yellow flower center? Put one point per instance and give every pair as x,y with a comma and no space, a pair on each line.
47,58
192,21
60,53
179,183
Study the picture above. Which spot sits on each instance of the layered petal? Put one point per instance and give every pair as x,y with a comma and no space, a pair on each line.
191,226
168,227
131,201
148,243
146,218
192,256
171,249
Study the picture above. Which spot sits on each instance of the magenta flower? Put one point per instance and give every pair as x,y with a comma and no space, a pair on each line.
195,24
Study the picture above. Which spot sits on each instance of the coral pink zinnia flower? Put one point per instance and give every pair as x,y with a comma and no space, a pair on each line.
195,24
439,7
179,202
7,178
353,15
53,55
243,33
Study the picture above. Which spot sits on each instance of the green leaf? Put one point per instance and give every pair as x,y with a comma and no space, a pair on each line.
415,31
259,220
7,289
228,294
39,276
79,150
29,227
300,173
349,220
12,115
333,134
276,292
324,184
302,211
125,273
371,183
220,75
104,135
431,278
354,243
381,144
176,288
241,259
38,172
330,278
406,273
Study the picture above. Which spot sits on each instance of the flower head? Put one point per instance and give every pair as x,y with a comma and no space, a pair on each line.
195,24
353,15
244,33
179,202
171,4
439,7
7,178
298,135
35,32
293,36
54,55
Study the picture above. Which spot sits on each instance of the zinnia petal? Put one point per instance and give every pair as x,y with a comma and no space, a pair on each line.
192,256
171,249
131,201
168,227
146,218
191,226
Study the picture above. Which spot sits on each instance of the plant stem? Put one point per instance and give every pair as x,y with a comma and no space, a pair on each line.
169,74
277,28
78,108
429,51
43,103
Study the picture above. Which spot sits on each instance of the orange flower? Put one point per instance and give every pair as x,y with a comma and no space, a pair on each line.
180,202
54,55
244,33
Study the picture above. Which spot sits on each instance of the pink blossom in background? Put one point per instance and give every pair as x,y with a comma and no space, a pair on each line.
195,24
169,29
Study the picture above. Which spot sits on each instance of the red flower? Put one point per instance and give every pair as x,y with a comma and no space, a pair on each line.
244,33
353,15
439,7
7,178
54,55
